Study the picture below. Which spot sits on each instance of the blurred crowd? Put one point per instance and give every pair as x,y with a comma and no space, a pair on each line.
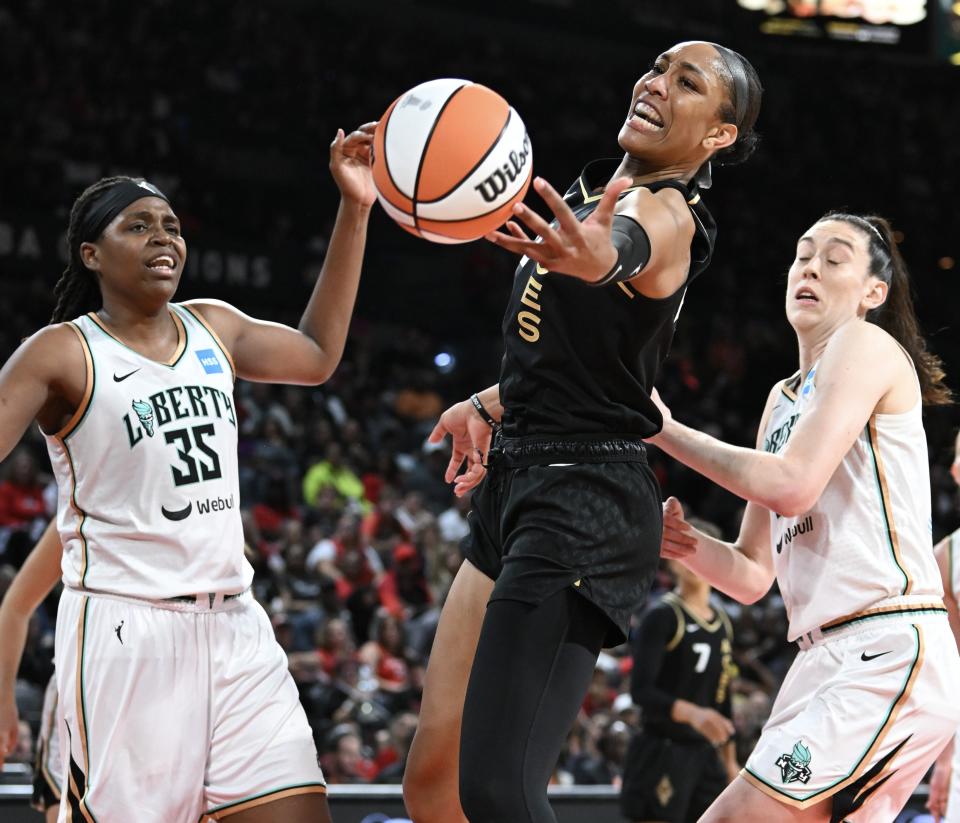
353,534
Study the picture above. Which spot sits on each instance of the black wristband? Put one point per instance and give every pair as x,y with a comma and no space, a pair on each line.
487,418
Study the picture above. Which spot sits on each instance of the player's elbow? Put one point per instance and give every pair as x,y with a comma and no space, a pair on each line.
754,579
787,506
320,375
749,596
796,492
752,588
794,502
319,369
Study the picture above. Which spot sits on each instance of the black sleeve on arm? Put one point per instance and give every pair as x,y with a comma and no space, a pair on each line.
633,250
657,629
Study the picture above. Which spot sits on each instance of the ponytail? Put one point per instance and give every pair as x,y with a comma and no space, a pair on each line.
897,315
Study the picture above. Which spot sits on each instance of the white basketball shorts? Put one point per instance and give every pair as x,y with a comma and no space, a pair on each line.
48,768
860,719
169,714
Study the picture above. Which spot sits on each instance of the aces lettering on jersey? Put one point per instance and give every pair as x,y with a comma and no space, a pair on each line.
529,321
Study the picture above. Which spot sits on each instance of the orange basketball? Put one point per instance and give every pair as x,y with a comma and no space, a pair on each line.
450,158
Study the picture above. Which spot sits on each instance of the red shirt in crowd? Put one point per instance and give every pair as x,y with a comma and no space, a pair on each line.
20,505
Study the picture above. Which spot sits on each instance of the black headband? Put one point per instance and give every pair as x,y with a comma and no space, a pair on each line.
741,85
111,202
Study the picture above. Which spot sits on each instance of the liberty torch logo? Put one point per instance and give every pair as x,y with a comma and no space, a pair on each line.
795,767
145,413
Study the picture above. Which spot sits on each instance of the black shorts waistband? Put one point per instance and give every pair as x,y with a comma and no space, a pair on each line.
515,452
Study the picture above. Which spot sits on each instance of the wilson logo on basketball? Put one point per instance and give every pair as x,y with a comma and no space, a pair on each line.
496,184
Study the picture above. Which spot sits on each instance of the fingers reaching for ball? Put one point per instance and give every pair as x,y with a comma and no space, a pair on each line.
357,143
350,162
566,245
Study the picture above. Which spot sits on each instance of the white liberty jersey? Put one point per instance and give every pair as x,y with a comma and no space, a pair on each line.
865,548
147,469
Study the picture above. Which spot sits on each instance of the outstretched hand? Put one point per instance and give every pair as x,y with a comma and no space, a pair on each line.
470,438
583,250
350,163
678,541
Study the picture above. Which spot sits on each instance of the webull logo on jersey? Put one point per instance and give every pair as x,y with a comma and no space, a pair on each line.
211,504
174,405
805,526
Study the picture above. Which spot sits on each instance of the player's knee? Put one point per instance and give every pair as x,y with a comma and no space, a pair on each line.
493,796
415,792
425,805
430,795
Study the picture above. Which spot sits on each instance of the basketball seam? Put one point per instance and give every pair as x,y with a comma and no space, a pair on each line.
476,166
386,161
426,146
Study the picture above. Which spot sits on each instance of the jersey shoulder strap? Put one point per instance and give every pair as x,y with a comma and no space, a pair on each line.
671,600
725,619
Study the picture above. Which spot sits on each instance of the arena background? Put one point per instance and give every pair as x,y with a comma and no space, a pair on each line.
230,106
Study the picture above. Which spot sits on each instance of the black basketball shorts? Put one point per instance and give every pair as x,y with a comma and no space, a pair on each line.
581,511
669,780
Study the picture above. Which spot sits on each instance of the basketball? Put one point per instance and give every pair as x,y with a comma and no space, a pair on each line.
450,158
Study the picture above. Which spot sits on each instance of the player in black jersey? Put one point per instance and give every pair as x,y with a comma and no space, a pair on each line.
682,667
565,528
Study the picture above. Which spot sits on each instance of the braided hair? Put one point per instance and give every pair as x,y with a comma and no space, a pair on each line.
77,291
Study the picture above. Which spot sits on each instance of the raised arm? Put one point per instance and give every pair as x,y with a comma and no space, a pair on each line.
34,581
645,236
861,368
308,355
742,569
